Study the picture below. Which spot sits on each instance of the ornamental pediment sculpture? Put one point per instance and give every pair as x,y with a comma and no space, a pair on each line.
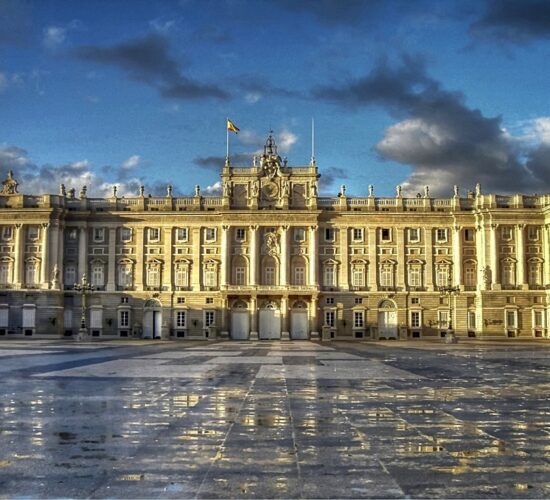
270,244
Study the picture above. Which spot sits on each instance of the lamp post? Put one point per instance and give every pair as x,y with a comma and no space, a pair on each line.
451,292
84,288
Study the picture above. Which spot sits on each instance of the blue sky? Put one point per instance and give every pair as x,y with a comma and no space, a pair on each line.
412,93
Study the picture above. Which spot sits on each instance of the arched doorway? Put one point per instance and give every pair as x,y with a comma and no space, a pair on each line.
387,320
240,321
270,321
152,319
299,321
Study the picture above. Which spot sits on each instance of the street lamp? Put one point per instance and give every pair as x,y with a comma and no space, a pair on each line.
451,292
84,288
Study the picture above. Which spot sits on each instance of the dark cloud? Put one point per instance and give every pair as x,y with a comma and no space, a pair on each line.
515,21
148,60
216,163
445,141
330,177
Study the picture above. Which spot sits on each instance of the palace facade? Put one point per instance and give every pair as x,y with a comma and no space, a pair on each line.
271,259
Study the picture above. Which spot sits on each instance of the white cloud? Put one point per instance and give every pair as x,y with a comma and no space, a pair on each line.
252,97
131,162
285,140
540,128
214,189
54,36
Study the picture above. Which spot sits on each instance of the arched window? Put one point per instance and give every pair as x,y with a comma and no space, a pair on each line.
415,278
239,271
210,274
154,268
181,274
330,275
508,272
443,274
298,271
269,271
387,273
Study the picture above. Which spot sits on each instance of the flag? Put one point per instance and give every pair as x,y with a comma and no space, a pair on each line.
232,127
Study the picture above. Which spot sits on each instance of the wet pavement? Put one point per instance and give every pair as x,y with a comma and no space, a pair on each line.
274,419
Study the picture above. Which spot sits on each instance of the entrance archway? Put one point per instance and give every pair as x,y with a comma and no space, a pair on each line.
299,321
270,322
152,319
240,321
387,320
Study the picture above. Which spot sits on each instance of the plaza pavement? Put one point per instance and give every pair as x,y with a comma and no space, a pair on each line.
274,419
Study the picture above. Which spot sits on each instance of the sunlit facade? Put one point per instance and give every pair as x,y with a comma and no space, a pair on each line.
270,258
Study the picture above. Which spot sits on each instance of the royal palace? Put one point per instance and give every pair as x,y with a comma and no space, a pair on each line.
270,259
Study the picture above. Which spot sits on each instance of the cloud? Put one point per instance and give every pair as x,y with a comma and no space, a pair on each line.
285,140
438,135
214,189
53,37
333,12
216,163
513,21
329,177
131,163
148,60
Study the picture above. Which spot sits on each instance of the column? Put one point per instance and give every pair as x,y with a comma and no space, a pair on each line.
44,278
19,255
344,258
253,318
196,269
546,253
83,252
168,271
373,261
493,257
313,318
313,256
429,253
284,255
254,251
138,279
457,257
401,261
225,256
111,263
520,255
285,335
56,255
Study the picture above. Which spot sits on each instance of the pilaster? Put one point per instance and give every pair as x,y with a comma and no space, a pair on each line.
373,264
140,250
19,255
83,252
493,256
168,273
284,255
401,263
344,258
254,251
197,265
520,255
225,253
429,253
111,269
313,256
44,278
457,256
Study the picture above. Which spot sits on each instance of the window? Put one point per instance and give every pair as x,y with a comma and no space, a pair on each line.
240,234
535,273
415,319
210,234
181,234
508,273
414,235
511,319
471,320
98,278
240,275
506,232
180,319
538,319
209,300
209,318
300,276
154,234
357,234
98,234
31,273
210,277
415,278
532,233
124,319
153,275
5,273
124,300
470,274
329,275
329,300
181,276
469,235
329,318
299,234
125,234
125,278
386,276
358,319
358,277
442,276
329,234
415,300
72,234
33,233
180,300
385,234
358,300
269,275
70,275
441,234
7,233
443,317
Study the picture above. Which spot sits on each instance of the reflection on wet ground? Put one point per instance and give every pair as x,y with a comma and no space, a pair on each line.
274,419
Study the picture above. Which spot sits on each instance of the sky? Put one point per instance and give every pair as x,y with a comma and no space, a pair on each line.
411,93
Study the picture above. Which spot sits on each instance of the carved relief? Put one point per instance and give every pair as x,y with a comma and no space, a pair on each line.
270,244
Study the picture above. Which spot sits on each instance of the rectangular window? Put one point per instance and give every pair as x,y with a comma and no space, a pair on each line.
240,275
182,278
124,300
154,234
33,233
124,319
538,319
385,234
299,234
210,234
210,278
329,318
181,234
125,234
7,233
180,300
329,300
443,319
386,276
357,234
70,275
98,234
508,273
299,276
469,275
441,234
442,276
97,275
209,318
358,319
209,300
329,234
329,276
180,319
5,274
240,234
72,234
415,300
358,277
414,276
469,235
532,233
534,273
153,276
269,275
511,317
358,300
415,319
414,235
125,275
471,320
506,232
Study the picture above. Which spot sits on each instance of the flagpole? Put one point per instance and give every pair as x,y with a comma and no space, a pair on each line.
227,139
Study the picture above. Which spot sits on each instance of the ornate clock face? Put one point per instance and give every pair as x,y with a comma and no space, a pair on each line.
270,190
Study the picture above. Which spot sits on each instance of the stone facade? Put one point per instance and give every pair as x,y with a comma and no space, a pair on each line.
270,258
